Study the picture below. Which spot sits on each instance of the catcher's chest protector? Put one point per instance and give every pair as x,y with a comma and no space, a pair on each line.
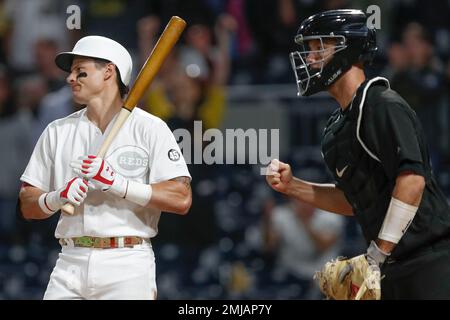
358,174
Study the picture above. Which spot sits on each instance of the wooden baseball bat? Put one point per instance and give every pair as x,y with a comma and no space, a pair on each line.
145,77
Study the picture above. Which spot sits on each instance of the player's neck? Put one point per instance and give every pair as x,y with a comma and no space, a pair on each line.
345,87
102,109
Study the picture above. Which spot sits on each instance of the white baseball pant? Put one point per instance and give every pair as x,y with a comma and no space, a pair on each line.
103,274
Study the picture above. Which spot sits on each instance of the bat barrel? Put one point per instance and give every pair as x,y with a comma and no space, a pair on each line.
151,67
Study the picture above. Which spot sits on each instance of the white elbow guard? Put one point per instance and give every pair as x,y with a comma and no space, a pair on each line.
398,218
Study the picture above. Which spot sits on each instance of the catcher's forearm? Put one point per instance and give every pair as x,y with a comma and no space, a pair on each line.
323,196
171,196
385,245
408,189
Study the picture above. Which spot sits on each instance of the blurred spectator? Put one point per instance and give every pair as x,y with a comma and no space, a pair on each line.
16,143
422,85
7,106
419,46
57,101
115,19
239,282
303,239
244,41
273,25
191,86
243,48
5,29
32,20
398,60
30,91
55,105
433,15
45,51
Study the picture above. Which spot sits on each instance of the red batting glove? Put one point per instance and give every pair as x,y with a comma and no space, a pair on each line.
100,174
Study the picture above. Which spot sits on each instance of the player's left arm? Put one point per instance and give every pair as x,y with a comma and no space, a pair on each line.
174,195
392,133
405,201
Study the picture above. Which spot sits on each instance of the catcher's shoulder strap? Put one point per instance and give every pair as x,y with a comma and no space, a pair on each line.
362,101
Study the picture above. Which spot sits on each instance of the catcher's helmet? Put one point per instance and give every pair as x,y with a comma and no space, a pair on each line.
352,42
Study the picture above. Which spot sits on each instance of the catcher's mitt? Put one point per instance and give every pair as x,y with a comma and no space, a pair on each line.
350,279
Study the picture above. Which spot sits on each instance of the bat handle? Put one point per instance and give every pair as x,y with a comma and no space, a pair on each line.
68,209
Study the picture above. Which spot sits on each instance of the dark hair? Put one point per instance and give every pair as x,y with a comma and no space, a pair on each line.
123,89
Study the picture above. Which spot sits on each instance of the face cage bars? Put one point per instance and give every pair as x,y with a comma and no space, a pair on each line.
299,59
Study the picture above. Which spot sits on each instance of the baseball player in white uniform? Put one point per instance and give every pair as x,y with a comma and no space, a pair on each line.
106,249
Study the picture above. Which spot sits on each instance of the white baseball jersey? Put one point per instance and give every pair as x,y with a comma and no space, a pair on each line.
144,150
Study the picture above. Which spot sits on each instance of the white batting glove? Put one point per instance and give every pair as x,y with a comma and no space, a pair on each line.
100,175
74,192
375,255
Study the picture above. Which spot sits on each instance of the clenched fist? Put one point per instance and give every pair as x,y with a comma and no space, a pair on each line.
279,175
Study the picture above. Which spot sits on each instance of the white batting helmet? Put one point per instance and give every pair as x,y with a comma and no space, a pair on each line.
99,47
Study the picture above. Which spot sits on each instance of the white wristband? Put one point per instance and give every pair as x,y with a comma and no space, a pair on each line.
119,186
398,218
44,205
138,193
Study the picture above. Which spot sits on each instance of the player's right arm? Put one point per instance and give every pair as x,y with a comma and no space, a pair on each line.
37,204
323,196
38,197
29,203
29,206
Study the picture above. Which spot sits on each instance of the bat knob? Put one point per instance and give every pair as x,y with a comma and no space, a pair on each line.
68,209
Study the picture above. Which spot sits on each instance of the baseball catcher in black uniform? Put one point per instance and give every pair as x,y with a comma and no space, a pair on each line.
375,147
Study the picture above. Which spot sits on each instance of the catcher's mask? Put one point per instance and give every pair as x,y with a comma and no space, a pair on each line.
330,43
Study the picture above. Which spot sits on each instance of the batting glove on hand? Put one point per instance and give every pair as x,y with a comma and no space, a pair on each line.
376,256
100,175
74,191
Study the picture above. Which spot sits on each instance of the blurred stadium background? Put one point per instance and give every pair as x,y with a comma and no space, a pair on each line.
231,70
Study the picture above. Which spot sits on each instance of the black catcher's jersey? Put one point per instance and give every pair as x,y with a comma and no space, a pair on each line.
366,147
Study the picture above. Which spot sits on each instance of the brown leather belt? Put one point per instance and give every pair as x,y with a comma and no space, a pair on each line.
102,243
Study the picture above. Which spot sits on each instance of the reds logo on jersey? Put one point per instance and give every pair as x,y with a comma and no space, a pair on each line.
130,161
